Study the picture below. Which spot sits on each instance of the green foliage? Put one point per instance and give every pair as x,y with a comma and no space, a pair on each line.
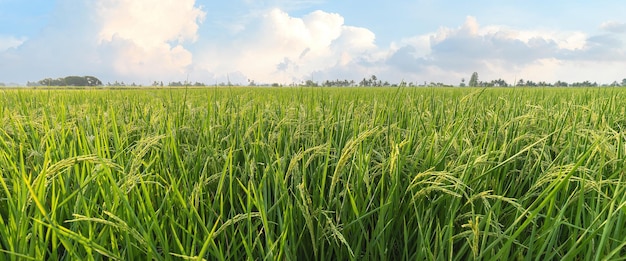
75,81
313,174
473,82
92,81
71,81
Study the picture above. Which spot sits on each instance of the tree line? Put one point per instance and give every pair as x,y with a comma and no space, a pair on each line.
372,81
475,82
68,81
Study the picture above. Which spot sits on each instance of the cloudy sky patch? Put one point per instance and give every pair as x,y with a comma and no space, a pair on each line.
286,41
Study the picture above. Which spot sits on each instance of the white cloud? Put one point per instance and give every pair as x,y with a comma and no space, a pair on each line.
148,23
7,42
614,27
129,40
63,48
132,61
275,47
145,39
501,52
278,47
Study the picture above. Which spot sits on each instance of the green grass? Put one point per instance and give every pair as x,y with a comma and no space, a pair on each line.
313,174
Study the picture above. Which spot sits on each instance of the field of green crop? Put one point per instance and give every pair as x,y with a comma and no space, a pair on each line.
313,174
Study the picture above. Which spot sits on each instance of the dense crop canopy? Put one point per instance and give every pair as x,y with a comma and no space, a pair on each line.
312,174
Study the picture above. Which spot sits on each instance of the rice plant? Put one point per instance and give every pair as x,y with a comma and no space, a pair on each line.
313,174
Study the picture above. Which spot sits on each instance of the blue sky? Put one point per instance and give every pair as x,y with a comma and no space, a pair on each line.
291,41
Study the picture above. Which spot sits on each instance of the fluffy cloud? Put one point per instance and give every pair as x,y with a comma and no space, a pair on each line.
145,39
614,27
7,42
275,47
129,40
500,52
64,47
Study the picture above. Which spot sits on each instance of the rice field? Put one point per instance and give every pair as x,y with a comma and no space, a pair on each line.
313,174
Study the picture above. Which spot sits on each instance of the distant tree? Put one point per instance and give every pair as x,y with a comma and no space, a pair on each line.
473,80
500,83
51,82
530,83
69,81
485,84
92,81
310,83
175,83
45,82
561,84
584,84
75,81
462,82
624,82
364,82
544,84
